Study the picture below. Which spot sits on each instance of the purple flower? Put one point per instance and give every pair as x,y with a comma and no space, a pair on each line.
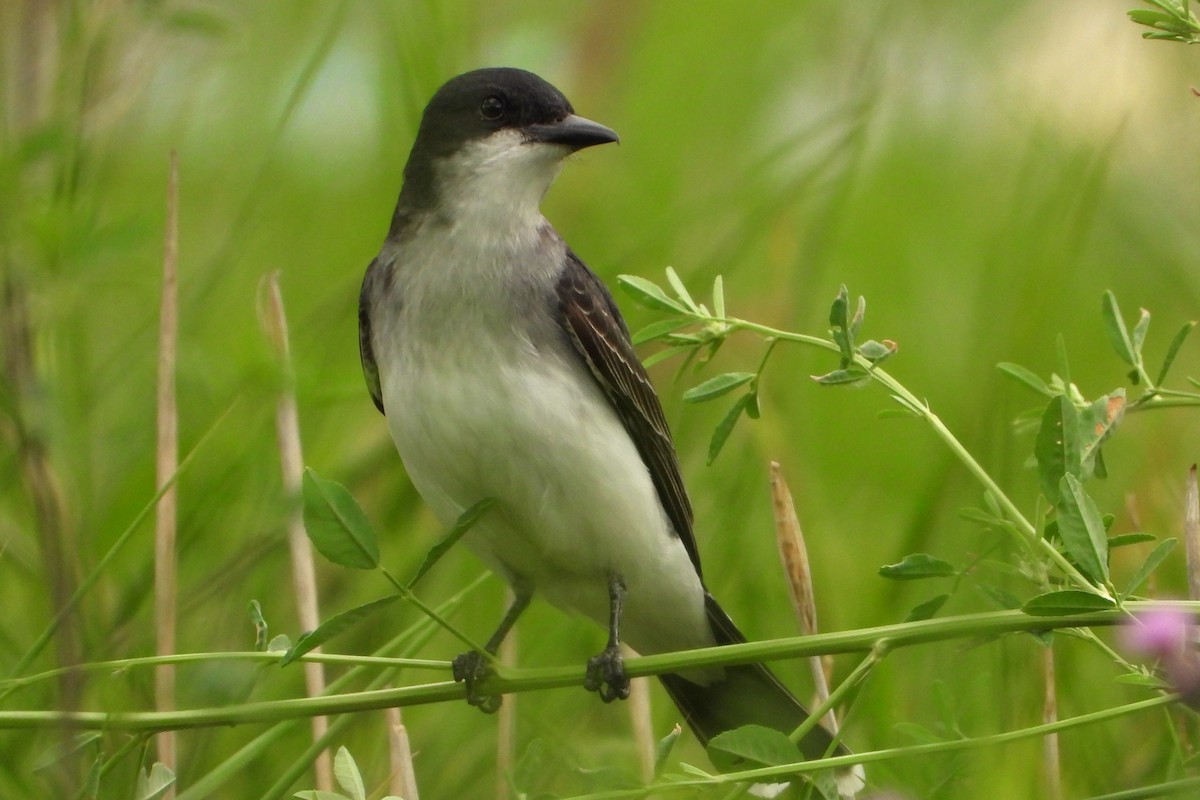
1168,634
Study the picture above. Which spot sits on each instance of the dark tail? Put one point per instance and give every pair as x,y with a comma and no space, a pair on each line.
747,695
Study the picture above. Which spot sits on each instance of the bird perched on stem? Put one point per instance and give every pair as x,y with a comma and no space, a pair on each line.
505,371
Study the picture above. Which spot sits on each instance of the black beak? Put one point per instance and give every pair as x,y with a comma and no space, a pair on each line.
574,131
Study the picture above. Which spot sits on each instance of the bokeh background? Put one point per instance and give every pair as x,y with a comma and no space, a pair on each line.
980,171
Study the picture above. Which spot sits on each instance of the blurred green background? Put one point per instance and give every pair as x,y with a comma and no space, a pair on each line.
981,171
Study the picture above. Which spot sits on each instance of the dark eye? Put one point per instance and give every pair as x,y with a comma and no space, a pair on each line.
492,107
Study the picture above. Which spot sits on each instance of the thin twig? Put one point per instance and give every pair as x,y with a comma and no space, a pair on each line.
794,556
1050,716
1191,534
167,464
404,777
287,428
506,734
642,722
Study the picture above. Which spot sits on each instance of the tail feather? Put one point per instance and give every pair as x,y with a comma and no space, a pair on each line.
746,695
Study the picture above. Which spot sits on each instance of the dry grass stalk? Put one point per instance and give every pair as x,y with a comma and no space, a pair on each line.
794,557
1050,714
506,735
166,573
642,722
404,778
1191,534
287,430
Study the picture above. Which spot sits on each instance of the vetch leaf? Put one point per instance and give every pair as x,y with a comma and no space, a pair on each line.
840,377
717,386
927,609
663,355
1148,566
1114,326
917,566
1096,424
680,289
260,626
718,294
1057,448
1026,376
337,525
1082,528
659,329
1065,603
335,625
749,747
1126,539
662,750
860,313
649,294
1141,679
877,352
279,644
318,794
724,428
61,749
347,775
466,520
1139,332
1173,350
154,784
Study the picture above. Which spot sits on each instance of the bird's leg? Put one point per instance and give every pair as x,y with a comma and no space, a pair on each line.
473,666
606,671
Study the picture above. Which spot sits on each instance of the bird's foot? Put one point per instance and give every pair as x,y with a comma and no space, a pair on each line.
471,668
606,675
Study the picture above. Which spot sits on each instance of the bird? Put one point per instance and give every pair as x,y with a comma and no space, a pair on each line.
505,371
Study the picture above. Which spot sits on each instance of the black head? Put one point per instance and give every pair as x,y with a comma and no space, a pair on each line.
484,102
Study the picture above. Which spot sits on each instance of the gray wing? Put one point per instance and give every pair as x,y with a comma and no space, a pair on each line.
594,326
370,370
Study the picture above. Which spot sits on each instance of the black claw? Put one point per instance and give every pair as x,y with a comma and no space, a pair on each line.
471,668
606,675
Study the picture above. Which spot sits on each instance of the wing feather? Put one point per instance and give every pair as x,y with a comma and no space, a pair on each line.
594,326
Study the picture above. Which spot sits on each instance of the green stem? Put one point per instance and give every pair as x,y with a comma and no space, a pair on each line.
920,407
523,680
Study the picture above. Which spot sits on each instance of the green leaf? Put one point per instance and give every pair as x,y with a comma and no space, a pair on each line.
1114,326
260,626
927,609
1149,565
1057,448
877,352
1139,332
680,289
1025,376
1141,679
750,747
648,294
1082,529
724,428
347,775
718,294
662,750
318,794
1002,598
1065,603
663,355
839,309
715,387
659,329
279,644
860,313
335,625
840,377
337,525
1173,350
155,783
917,566
466,520
1126,539
1096,424
62,748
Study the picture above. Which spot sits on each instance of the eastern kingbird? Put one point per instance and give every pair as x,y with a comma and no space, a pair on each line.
506,371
